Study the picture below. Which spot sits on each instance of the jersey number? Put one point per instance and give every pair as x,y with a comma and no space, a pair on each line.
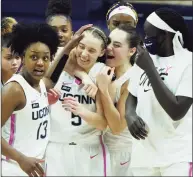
76,120
43,125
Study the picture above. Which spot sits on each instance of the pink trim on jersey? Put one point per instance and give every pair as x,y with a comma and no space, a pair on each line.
190,169
104,155
12,131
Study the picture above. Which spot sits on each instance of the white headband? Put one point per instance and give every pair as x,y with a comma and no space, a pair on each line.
123,10
156,21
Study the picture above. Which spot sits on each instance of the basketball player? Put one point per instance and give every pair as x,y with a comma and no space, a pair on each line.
26,134
161,94
77,120
121,12
122,46
27,131
58,16
9,62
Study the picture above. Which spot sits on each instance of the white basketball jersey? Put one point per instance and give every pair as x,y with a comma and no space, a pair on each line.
65,126
124,139
28,129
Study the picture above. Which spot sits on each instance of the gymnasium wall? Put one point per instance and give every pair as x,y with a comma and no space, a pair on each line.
90,11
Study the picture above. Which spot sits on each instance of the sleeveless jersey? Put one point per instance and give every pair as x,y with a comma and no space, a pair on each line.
28,129
65,126
124,139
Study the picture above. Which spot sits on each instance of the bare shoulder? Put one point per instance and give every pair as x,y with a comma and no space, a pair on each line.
13,94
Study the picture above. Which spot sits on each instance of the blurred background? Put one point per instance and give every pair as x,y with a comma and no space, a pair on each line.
90,11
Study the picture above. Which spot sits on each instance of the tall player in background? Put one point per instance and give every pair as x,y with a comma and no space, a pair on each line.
74,147
161,94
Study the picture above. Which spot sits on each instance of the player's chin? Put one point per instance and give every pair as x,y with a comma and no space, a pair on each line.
38,76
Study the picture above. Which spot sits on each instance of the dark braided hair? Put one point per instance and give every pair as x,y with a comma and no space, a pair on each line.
121,3
177,23
26,34
58,7
133,38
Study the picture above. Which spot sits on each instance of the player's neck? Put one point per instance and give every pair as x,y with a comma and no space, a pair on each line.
167,51
120,70
31,81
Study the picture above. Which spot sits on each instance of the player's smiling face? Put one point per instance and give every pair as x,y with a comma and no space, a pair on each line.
118,51
88,50
36,60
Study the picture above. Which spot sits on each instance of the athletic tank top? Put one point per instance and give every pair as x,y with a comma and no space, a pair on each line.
28,129
65,126
124,139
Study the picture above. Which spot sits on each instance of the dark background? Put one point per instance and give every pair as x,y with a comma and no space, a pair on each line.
83,11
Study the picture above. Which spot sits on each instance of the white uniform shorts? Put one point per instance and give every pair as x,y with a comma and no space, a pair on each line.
73,159
178,169
120,162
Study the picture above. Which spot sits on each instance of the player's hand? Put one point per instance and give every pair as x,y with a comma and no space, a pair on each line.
53,96
31,166
76,39
71,104
90,88
143,59
104,78
138,128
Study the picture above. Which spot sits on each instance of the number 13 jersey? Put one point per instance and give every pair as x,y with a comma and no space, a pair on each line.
28,129
65,126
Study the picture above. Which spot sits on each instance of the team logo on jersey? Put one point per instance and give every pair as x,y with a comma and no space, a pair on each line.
35,105
40,113
66,88
144,80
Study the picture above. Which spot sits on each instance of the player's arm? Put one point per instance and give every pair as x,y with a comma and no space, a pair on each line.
121,107
176,105
110,111
97,118
12,98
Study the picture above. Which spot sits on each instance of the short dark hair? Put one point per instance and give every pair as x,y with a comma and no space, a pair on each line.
177,23
133,37
25,34
6,40
58,7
